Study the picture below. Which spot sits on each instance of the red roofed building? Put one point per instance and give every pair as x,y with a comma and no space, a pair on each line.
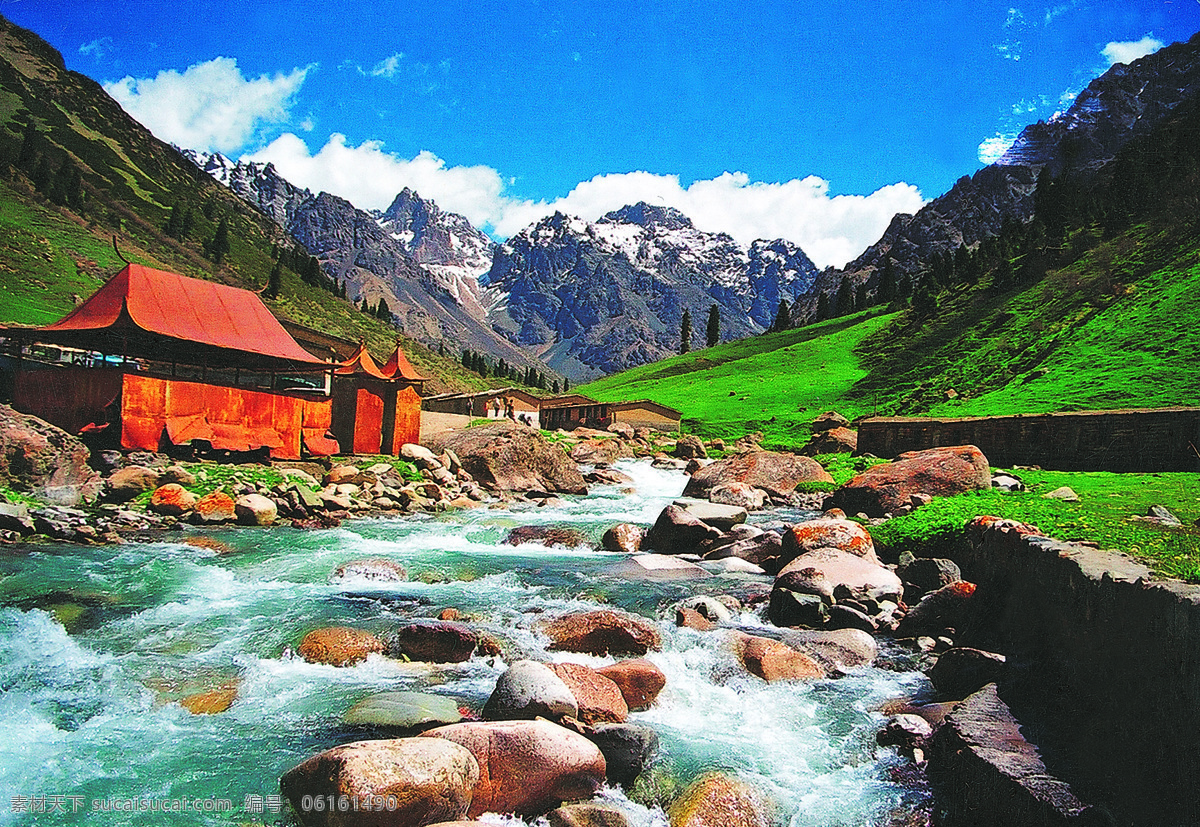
179,360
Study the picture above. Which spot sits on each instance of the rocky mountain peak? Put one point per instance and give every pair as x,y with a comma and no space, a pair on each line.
649,216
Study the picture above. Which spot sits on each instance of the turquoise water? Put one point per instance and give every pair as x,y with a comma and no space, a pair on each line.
90,718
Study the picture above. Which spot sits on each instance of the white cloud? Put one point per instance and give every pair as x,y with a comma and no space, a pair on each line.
832,229
1129,51
97,48
210,106
387,67
992,149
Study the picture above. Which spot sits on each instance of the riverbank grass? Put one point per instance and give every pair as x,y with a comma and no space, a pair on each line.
1102,515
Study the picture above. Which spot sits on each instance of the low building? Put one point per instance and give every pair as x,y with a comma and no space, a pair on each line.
482,404
644,413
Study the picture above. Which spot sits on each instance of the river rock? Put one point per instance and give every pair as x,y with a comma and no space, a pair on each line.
833,441
715,799
692,619
638,679
906,732
962,670
773,660
788,607
527,767
434,641
601,632
940,472
658,567
723,517
47,461
600,451
126,483
547,535
945,608
928,574
777,474
625,537
677,531
339,646
403,710
762,550
840,568
707,607
527,690
627,749
689,446
599,698
172,500
214,507
587,814
255,509
504,456
16,517
377,569
826,532
836,650
431,780
738,494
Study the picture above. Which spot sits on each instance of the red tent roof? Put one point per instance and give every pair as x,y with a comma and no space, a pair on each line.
198,315
398,367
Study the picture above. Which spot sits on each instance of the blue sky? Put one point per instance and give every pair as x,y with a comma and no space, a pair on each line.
814,121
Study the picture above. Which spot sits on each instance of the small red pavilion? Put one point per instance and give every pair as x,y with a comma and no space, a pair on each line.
162,358
376,410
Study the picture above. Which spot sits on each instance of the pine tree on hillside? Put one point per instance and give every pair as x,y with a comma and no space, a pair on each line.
218,247
274,282
713,330
822,307
783,317
845,298
685,332
888,286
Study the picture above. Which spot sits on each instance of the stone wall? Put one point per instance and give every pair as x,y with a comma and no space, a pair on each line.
1161,439
1104,666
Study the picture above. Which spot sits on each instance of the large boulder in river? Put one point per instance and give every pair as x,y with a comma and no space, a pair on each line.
504,456
528,690
425,780
639,680
602,632
938,472
827,532
839,570
47,461
719,799
599,698
777,474
339,646
434,641
677,531
773,660
527,767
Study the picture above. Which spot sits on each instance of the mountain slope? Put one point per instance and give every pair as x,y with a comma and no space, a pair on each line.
598,297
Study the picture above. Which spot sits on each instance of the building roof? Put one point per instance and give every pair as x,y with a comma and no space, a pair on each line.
398,367
153,314
646,404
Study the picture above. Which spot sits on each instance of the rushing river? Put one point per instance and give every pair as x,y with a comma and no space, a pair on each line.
90,719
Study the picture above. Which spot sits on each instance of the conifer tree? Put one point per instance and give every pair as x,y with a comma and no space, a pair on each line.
845,298
274,282
822,307
783,317
888,287
713,330
685,332
218,247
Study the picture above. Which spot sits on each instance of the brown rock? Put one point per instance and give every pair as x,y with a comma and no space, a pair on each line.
716,800
212,702
343,474
434,641
833,441
504,456
944,608
625,537
841,568
639,680
692,619
828,421
587,814
547,536
45,460
777,474
739,494
339,646
428,780
603,631
825,532
599,698
215,507
126,483
774,661
526,767
689,447
255,509
676,531
939,472
172,500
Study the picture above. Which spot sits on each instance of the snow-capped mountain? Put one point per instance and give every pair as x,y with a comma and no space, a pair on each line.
597,297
